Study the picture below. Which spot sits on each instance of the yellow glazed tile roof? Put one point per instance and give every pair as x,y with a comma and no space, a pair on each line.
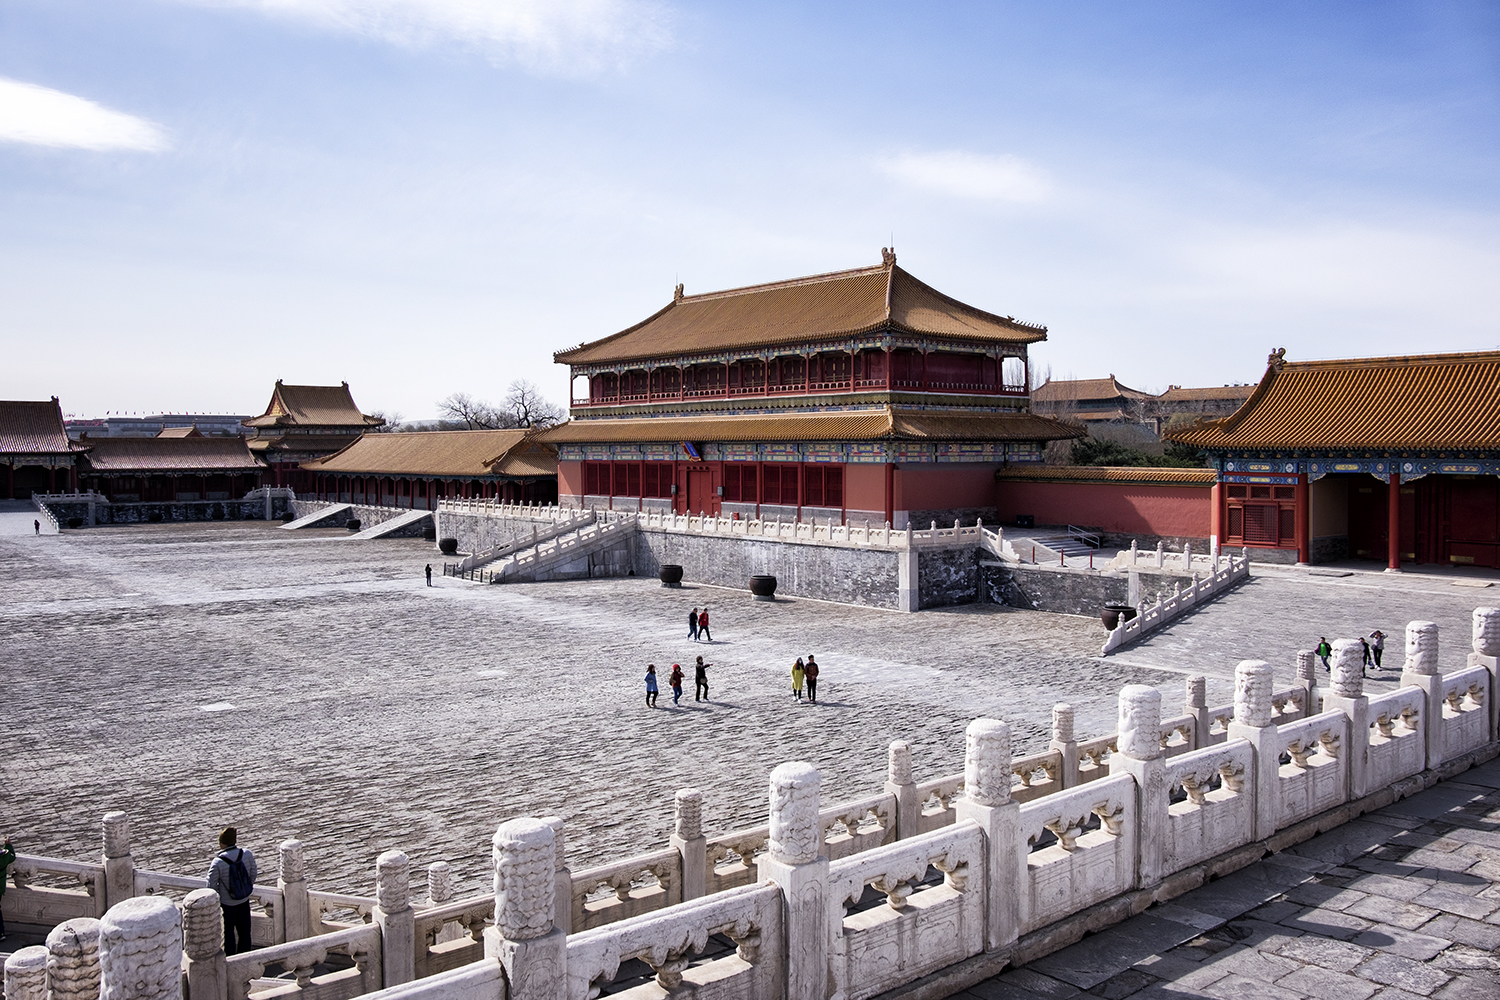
1419,402
845,425
820,307
312,406
440,453
1143,476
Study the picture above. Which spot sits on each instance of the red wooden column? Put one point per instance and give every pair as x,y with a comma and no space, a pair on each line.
1216,515
1393,523
1304,519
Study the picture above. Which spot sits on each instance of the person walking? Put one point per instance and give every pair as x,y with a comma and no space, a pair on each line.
703,625
1377,646
1366,662
232,876
700,678
676,682
693,624
811,673
1324,651
429,574
7,858
798,676
650,685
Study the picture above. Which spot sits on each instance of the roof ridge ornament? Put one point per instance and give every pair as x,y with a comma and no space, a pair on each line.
1276,359
677,294
887,256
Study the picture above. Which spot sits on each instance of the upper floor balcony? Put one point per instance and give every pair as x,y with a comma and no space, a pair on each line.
824,373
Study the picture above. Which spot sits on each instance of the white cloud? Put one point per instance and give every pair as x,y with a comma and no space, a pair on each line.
566,37
46,117
971,175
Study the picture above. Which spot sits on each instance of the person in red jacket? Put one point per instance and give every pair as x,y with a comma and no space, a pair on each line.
676,679
703,625
810,672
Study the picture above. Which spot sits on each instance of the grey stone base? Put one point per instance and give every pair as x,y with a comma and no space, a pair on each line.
167,511
368,517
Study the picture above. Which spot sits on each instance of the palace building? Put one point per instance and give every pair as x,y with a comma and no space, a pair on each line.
34,450
304,422
169,467
857,396
417,469
1381,458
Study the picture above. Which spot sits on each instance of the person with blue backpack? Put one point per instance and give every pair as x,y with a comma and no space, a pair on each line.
232,876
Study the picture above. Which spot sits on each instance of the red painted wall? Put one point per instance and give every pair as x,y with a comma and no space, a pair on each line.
864,488
936,487
1117,507
570,479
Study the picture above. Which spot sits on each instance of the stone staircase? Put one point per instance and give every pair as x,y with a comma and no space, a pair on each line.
597,548
515,545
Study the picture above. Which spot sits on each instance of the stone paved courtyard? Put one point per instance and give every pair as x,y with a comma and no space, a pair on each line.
1399,904
298,684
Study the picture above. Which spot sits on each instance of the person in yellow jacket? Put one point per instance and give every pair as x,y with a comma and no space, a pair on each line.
797,677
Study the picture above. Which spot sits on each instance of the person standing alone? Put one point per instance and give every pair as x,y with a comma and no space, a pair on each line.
232,876
700,680
811,673
693,624
429,574
1323,651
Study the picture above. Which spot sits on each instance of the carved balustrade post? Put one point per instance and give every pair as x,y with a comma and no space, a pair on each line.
440,891
794,864
1346,693
1422,670
140,950
986,800
1255,722
908,595
1487,654
397,919
73,959
562,914
296,914
119,866
26,974
203,943
1139,754
898,782
1065,743
689,843
1196,705
532,949
1307,680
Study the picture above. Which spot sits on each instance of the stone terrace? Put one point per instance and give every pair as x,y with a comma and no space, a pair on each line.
370,712
1401,903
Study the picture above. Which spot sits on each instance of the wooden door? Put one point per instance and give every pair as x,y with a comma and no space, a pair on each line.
701,499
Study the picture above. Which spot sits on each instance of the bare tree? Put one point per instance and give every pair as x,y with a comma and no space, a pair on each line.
392,420
526,405
474,414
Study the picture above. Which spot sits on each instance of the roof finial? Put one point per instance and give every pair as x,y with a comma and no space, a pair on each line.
677,293
887,256
1277,359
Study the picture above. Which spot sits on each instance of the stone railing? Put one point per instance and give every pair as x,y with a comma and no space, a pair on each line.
498,508
561,527
842,900
1185,561
1151,617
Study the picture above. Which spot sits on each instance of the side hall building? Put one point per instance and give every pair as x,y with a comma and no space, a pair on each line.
301,423
169,468
1381,458
35,452
417,469
856,396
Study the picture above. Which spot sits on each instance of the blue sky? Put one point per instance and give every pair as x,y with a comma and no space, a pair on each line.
198,197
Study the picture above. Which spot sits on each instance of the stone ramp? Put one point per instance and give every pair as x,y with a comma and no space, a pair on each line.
574,554
312,520
393,525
